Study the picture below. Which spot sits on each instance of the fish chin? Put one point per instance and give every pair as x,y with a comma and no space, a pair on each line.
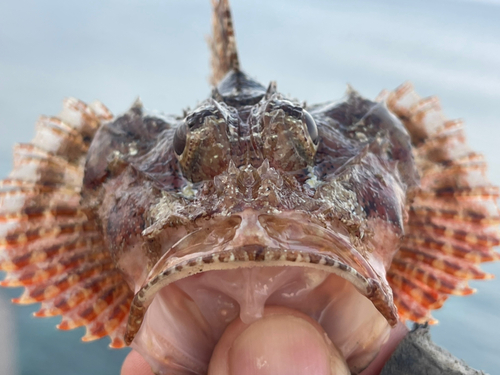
200,286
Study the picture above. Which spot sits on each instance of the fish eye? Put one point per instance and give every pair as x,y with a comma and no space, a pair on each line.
180,139
291,110
192,122
312,129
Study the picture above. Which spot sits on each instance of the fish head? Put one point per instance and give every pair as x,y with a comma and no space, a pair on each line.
252,200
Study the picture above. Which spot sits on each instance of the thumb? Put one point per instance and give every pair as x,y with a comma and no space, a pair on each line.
283,341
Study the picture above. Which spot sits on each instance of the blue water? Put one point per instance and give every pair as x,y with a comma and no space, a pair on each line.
116,50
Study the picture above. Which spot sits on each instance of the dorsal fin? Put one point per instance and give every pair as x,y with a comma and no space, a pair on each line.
223,42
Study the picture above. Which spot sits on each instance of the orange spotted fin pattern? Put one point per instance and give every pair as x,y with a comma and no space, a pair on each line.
453,216
49,244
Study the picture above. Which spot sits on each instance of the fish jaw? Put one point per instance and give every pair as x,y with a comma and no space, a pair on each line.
238,267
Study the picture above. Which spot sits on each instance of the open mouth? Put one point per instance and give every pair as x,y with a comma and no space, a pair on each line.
244,264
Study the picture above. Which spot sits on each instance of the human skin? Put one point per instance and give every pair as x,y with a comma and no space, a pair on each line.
281,333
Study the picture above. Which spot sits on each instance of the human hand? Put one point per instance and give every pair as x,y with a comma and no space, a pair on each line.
285,342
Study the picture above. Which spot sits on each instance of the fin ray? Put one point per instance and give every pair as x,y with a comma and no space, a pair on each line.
453,218
49,243
223,42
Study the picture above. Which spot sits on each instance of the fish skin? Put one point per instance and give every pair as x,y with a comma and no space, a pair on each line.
482,194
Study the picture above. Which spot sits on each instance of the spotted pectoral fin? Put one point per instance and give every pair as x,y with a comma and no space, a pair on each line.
453,216
222,43
49,244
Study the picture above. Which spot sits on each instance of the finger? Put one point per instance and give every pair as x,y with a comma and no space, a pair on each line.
283,341
135,365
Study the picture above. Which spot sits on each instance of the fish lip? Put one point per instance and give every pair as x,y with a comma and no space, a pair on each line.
234,254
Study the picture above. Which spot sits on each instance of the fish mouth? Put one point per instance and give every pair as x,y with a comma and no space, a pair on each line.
249,261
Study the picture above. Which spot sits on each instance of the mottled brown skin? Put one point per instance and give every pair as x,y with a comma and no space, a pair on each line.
355,134
345,166
357,139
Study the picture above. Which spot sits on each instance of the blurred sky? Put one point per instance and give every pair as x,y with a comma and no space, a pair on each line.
116,50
